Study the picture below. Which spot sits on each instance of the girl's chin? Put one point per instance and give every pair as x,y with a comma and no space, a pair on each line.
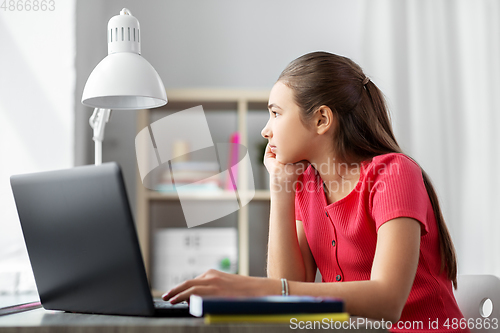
285,160
280,159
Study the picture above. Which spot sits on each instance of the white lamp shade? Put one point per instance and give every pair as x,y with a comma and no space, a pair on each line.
124,81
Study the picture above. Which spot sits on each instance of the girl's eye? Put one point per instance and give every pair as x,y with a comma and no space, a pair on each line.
275,114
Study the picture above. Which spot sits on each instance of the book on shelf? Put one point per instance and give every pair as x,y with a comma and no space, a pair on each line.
191,176
232,167
187,175
213,305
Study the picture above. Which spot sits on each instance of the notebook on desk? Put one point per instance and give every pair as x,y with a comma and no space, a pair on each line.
82,242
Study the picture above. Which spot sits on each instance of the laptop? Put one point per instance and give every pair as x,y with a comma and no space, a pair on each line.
82,243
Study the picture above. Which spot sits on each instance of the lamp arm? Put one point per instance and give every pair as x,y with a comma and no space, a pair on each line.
98,122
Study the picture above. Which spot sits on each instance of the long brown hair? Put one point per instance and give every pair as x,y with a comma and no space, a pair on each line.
364,126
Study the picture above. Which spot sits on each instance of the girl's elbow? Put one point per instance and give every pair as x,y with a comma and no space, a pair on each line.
388,313
393,310
392,316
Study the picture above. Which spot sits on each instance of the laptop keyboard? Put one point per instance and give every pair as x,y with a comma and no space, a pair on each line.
165,309
167,305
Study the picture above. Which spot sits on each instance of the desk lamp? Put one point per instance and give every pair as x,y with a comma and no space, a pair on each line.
123,80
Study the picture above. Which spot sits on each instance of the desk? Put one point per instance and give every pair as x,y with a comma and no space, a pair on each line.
41,320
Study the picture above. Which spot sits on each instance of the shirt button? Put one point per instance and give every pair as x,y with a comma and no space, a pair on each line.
333,242
338,277
326,214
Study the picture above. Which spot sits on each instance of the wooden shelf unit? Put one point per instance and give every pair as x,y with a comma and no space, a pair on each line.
242,99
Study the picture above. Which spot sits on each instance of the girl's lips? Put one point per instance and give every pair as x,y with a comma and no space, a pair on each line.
272,148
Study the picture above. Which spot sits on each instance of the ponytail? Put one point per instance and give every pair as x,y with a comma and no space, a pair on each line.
447,250
448,256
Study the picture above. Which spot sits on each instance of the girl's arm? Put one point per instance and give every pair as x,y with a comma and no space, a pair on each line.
309,262
288,253
393,271
382,297
286,250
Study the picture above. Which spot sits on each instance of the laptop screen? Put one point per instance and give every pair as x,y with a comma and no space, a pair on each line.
81,240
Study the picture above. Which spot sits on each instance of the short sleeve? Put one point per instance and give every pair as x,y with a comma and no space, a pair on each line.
398,190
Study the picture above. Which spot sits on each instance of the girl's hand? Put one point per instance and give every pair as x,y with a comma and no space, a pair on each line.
217,283
280,173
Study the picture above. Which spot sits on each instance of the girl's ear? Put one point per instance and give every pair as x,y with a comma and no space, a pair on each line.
324,120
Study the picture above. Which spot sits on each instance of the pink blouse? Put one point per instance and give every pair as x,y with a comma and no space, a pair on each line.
342,236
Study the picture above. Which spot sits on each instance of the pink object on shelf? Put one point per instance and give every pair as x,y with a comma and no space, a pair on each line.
232,167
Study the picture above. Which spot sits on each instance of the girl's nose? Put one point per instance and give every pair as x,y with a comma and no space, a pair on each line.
265,131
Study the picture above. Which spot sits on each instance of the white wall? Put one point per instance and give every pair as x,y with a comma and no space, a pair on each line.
37,79
438,63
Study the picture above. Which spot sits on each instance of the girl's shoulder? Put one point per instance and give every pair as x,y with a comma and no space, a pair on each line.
393,158
392,163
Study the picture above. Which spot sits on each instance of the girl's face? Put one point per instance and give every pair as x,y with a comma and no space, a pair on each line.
289,139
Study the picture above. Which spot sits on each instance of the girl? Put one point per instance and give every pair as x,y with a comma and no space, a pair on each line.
347,201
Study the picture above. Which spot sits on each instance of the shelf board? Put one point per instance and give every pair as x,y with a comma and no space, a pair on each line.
218,95
262,195
222,195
